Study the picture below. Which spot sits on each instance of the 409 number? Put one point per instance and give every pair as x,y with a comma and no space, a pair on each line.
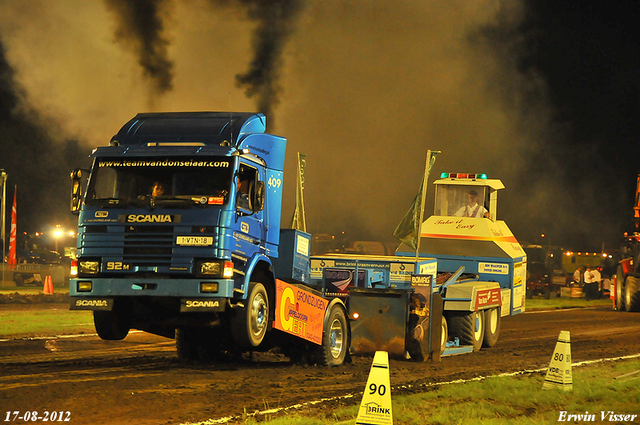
274,182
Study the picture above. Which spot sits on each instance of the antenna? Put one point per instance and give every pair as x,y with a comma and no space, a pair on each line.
230,120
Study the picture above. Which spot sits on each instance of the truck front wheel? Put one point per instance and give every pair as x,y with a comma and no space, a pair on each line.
335,340
468,326
249,324
112,325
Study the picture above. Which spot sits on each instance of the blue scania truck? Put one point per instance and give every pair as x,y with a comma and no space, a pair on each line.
179,235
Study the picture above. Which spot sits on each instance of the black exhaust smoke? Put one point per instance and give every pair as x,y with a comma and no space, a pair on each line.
275,20
140,28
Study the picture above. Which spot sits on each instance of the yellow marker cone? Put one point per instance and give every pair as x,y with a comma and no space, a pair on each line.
559,372
375,408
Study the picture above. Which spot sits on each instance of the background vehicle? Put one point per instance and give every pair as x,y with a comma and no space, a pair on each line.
626,289
545,275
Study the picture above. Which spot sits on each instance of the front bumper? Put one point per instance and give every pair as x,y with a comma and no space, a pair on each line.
105,287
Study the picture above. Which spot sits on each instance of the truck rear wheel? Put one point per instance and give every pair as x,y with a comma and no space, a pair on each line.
491,327
112,325
631,295
335,338
468,326
249,325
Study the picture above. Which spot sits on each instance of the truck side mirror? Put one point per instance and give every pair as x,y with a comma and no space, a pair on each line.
76,191
257,196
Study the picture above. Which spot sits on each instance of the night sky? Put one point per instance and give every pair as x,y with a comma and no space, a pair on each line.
541,94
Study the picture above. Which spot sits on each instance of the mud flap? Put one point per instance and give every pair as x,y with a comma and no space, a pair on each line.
424,329
437,305
381,320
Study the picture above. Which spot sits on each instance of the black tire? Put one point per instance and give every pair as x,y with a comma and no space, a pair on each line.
631,294
186,344
249,324
547,293
620,289
17,277
468,326
112,325
444,335
491,327
335,338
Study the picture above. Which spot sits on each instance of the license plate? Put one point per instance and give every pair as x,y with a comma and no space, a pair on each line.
195,240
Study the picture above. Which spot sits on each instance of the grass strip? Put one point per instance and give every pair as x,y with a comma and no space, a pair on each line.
44,322
600,391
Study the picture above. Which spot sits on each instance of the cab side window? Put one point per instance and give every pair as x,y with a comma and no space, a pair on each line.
247,177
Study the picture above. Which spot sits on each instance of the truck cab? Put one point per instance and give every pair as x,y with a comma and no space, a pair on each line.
199,248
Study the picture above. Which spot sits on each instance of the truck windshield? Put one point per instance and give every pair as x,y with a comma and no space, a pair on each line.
460,200
123,181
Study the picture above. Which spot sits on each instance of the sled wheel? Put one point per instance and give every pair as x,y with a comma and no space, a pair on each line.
468,327
444,335
249,325
335,340
491,327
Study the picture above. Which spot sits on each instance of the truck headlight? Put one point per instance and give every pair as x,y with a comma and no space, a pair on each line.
210,268
215,268
88,267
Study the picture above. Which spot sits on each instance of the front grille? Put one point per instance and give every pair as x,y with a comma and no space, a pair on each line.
148,229
144,246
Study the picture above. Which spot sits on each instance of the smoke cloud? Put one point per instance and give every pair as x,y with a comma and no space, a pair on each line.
33,157
362,87
140,28
275,22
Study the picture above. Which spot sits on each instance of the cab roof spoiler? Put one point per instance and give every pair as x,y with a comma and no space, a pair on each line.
189,128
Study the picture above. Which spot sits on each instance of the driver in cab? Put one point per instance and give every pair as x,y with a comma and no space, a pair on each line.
157,189
472,208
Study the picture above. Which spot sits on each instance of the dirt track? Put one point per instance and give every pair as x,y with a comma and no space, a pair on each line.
139,380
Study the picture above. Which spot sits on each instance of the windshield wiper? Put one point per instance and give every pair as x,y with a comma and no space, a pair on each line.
179,202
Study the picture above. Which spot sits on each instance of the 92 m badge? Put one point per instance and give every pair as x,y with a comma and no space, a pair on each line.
117,266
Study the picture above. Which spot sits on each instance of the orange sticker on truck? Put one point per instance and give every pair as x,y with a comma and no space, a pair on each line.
299,312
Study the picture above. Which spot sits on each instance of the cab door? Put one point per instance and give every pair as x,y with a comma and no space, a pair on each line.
249,230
